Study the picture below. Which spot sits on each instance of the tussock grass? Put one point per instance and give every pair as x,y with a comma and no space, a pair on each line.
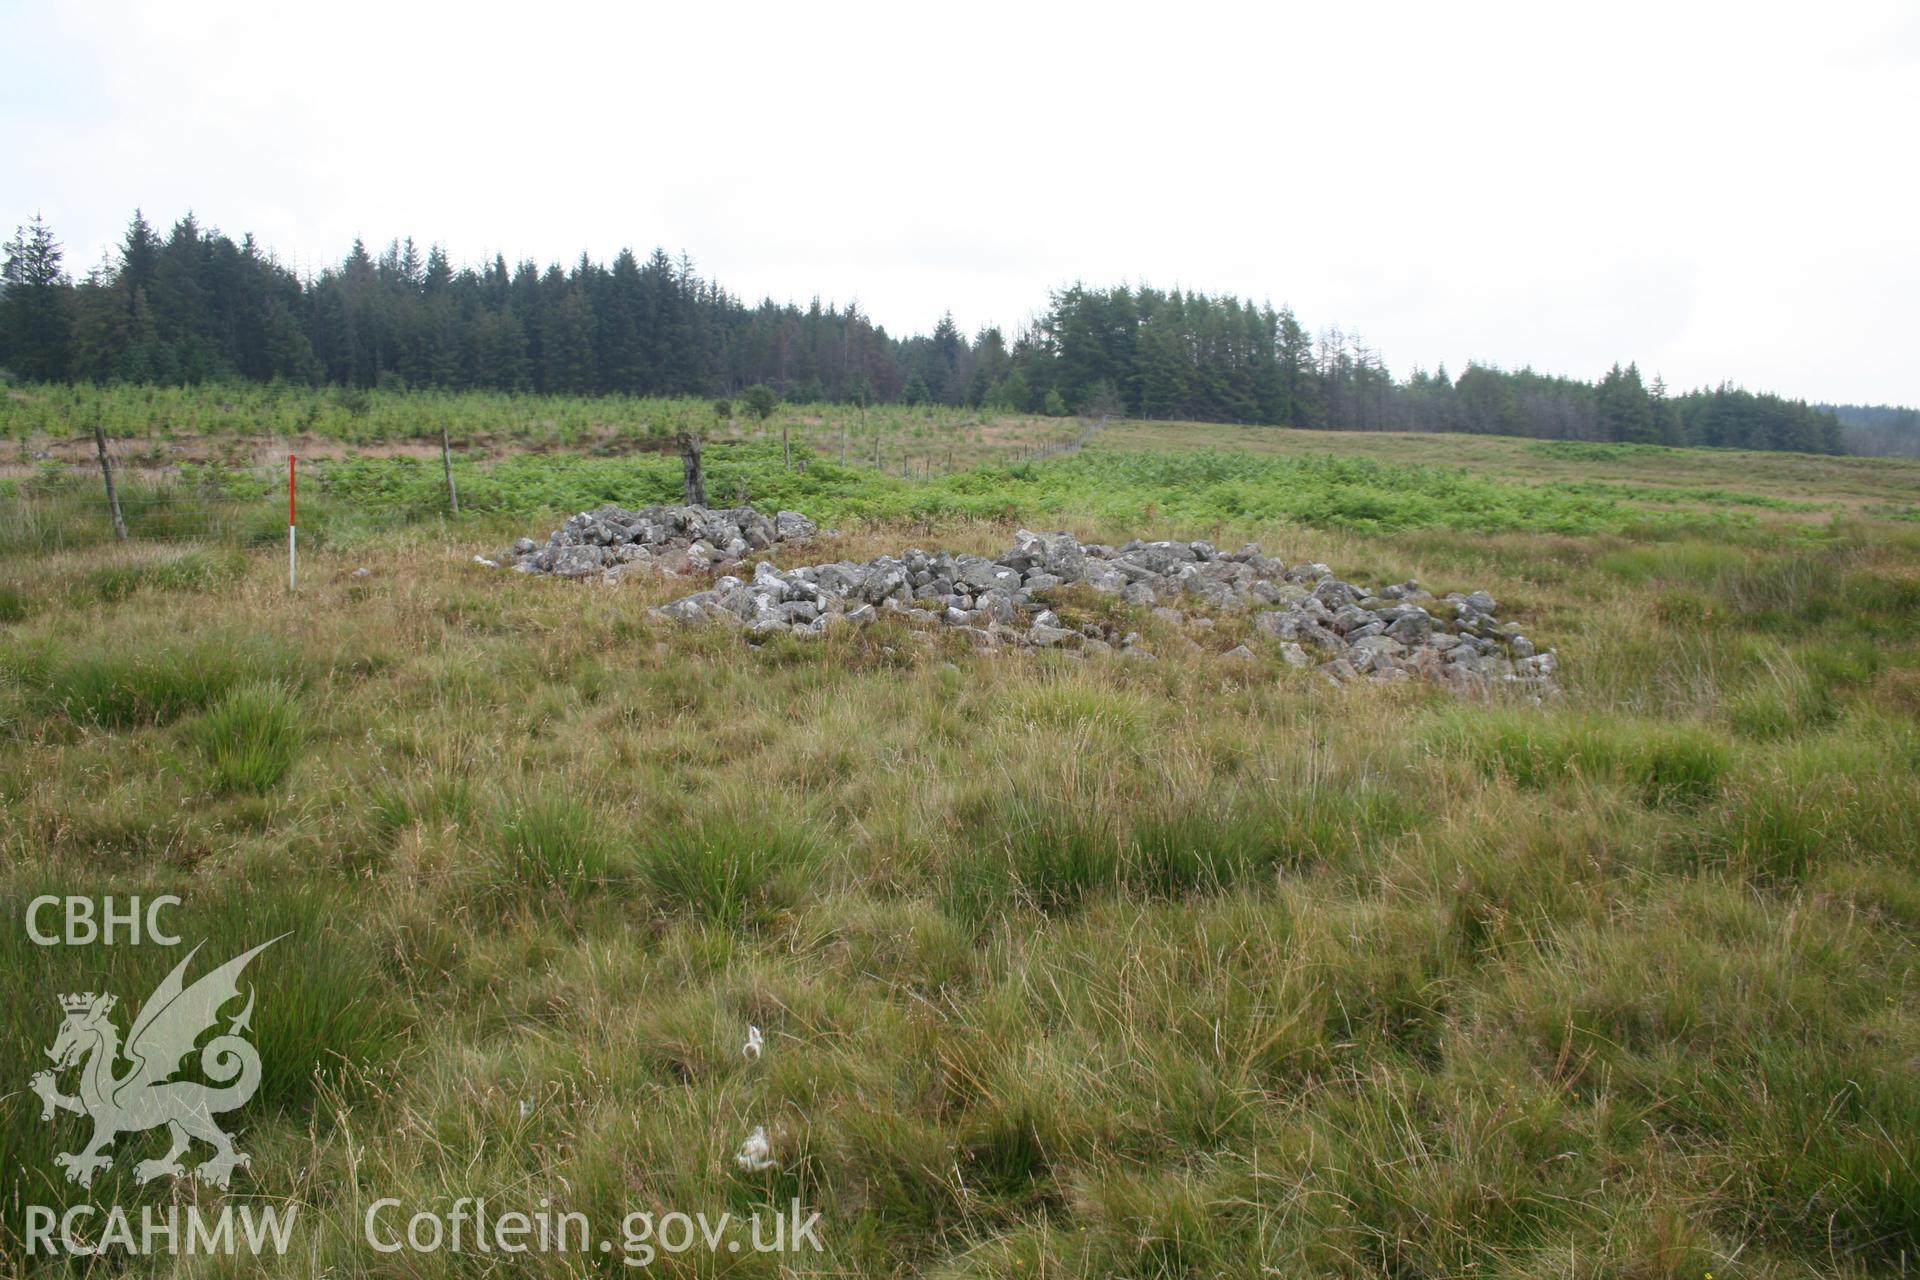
187,571
397,804
548,840
1050,852
119,682
1787,700
1685,563
729,869
1665,764
1829,798
251,737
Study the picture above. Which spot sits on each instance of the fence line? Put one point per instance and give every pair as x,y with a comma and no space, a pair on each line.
62,507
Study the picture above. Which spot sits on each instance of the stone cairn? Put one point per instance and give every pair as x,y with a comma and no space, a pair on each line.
1346,630
611,542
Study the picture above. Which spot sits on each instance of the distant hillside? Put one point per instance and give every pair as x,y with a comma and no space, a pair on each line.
1878,430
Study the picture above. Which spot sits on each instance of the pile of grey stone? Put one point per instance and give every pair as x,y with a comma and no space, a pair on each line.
1314,619
675,540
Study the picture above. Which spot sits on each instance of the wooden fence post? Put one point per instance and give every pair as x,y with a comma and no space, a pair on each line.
446,464
106,474
696,474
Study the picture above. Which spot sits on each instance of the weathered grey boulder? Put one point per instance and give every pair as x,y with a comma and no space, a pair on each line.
766,578
1333,593
980,572
1046,637
791,526
1412,627
1056,555
1282,623
578,561
886,578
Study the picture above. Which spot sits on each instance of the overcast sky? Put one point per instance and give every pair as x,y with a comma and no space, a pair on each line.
1716,191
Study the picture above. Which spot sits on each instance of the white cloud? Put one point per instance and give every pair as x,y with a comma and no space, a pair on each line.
1717,191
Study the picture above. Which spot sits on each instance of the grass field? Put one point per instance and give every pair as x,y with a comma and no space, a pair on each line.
1188,968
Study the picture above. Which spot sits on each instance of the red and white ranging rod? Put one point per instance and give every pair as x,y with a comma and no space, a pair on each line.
292,551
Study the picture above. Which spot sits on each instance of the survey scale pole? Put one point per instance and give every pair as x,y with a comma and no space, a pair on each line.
292,548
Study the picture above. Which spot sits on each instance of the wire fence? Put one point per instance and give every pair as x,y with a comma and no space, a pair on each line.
46,514
67,504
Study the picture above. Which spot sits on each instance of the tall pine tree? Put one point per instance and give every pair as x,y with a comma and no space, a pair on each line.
36,333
